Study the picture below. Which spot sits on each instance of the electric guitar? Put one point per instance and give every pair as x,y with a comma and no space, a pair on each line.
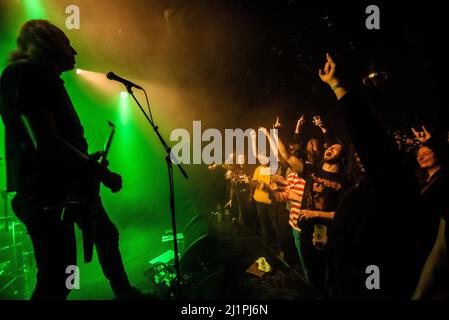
107,147
87,198
86,187
89,188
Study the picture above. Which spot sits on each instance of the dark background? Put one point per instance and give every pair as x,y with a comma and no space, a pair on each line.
242,63
231,64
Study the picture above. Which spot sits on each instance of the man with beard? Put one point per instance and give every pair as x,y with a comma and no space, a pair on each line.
322,195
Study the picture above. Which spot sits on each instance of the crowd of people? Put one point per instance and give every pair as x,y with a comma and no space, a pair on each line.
332,210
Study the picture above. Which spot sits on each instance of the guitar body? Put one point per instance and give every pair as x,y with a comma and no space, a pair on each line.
87,194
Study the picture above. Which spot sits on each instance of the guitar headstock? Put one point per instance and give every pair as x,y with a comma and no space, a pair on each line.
111,125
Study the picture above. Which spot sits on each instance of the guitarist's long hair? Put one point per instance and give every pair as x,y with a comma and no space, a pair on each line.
38,41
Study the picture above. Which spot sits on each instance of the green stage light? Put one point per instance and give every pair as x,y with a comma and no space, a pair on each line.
34,9
124,108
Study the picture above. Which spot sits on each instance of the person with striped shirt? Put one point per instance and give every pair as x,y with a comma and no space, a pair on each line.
293,196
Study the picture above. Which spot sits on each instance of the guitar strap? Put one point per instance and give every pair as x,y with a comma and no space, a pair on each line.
79,212
88,245
88,233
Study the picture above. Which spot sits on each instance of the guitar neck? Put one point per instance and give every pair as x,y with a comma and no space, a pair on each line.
107,147
108,144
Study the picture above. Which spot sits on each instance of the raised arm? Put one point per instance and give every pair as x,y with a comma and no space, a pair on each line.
299,124
272,143
297,138
328,136
376,149
283,152
422,136
328,76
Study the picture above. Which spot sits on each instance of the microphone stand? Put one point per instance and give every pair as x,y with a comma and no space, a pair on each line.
171,184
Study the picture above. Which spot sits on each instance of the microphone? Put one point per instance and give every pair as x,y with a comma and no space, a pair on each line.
112,76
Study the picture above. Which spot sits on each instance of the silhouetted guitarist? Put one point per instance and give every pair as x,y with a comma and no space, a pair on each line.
47,159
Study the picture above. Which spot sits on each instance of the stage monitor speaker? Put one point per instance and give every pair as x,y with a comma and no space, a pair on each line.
200,262
216,258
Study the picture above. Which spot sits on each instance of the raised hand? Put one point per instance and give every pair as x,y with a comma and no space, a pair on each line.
327,74
422,136
319,123
278,124
299,124
301,121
